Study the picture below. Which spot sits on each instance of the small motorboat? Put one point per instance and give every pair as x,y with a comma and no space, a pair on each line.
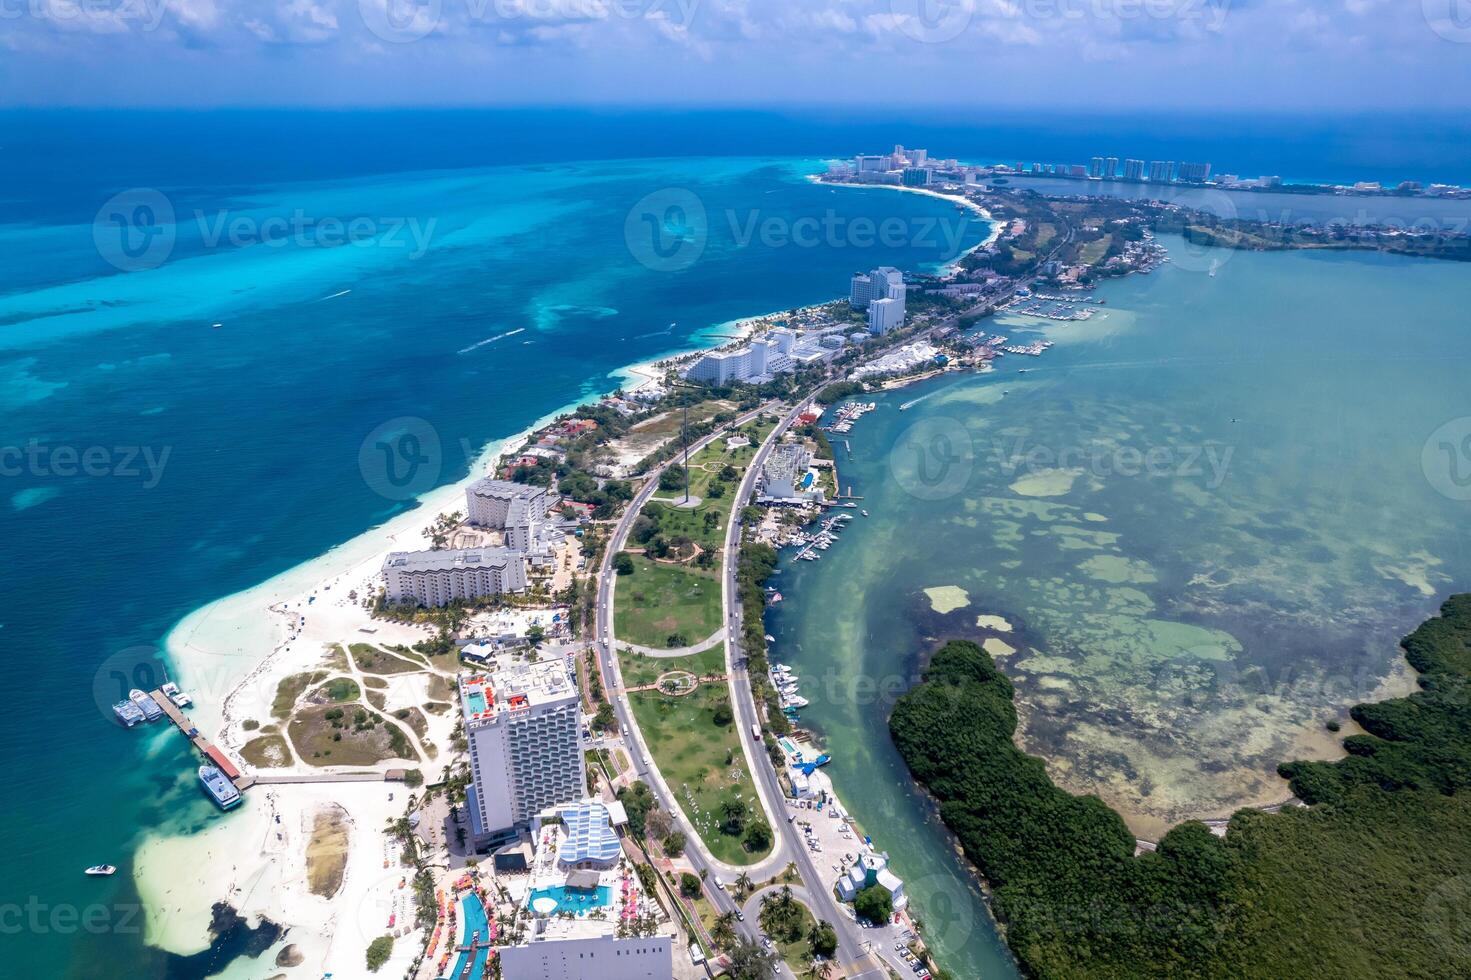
101,870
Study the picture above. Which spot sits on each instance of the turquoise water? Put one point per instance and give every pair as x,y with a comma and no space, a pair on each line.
1207,515
231,453
234,453
573,900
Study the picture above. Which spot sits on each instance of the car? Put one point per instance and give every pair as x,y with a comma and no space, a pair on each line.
740,916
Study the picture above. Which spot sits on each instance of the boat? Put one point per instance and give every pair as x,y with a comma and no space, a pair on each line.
100,870
796,701
128,713
175,695
863,512
149,707
220,789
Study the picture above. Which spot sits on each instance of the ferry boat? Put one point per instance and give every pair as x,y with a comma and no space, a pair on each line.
220,789
100,870
149,707
128,713
175,695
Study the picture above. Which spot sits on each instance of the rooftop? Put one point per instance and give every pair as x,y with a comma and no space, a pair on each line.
523,685
590,834
450,559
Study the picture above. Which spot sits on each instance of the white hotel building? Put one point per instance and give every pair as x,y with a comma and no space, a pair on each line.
524,728
437,578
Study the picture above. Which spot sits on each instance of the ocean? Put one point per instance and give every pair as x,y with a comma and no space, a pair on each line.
206,318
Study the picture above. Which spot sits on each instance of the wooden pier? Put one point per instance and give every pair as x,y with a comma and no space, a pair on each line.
209,749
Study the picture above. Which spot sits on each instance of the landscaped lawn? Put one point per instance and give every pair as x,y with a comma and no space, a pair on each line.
702,762
659,600
639,669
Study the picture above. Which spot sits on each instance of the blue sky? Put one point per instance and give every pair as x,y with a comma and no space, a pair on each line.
1079,54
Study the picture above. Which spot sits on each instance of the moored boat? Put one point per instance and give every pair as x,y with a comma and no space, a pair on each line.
128,713
101,870
219,788
172,692
149,707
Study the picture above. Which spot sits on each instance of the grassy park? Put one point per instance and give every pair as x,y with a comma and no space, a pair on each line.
640,670
703,764
660,601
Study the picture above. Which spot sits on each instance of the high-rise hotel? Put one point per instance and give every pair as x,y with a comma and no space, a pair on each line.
524,728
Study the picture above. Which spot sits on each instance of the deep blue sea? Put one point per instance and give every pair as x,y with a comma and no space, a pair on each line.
151,461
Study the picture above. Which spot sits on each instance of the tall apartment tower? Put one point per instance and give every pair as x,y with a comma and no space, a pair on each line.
524,728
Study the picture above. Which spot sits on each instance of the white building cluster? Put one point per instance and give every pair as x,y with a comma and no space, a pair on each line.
778,352
905,359
437,578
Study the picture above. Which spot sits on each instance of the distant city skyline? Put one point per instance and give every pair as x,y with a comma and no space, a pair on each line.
1117,54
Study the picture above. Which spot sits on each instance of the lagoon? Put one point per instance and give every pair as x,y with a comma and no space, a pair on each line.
1193,532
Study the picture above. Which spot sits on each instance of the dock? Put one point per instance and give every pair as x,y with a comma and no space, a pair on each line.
243,781
209,749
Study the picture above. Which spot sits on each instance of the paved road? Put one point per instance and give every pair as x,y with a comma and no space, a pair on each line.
695,852
821,901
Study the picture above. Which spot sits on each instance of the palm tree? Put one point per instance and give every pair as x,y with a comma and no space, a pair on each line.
723,931
821,968
743,884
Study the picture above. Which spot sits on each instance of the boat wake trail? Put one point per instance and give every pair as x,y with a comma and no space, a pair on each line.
334,295
490,340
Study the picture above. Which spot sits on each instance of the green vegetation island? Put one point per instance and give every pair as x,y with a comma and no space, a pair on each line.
1371,878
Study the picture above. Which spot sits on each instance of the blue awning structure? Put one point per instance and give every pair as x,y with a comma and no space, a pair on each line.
590,835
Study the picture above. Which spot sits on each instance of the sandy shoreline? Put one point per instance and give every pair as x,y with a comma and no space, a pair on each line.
230,655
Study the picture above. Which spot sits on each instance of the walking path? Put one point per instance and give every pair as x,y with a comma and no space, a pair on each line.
717,637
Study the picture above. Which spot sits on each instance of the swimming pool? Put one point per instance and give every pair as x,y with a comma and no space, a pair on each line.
472,914
573,900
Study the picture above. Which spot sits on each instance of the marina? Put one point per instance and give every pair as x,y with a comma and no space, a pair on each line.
1049,309
849,413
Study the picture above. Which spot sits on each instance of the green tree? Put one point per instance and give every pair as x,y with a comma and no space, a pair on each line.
674,843
875,904
748,961
379,950
823,938
623,563
689,885
757,836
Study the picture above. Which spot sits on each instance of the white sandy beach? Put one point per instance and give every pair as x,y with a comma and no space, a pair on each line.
230,655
